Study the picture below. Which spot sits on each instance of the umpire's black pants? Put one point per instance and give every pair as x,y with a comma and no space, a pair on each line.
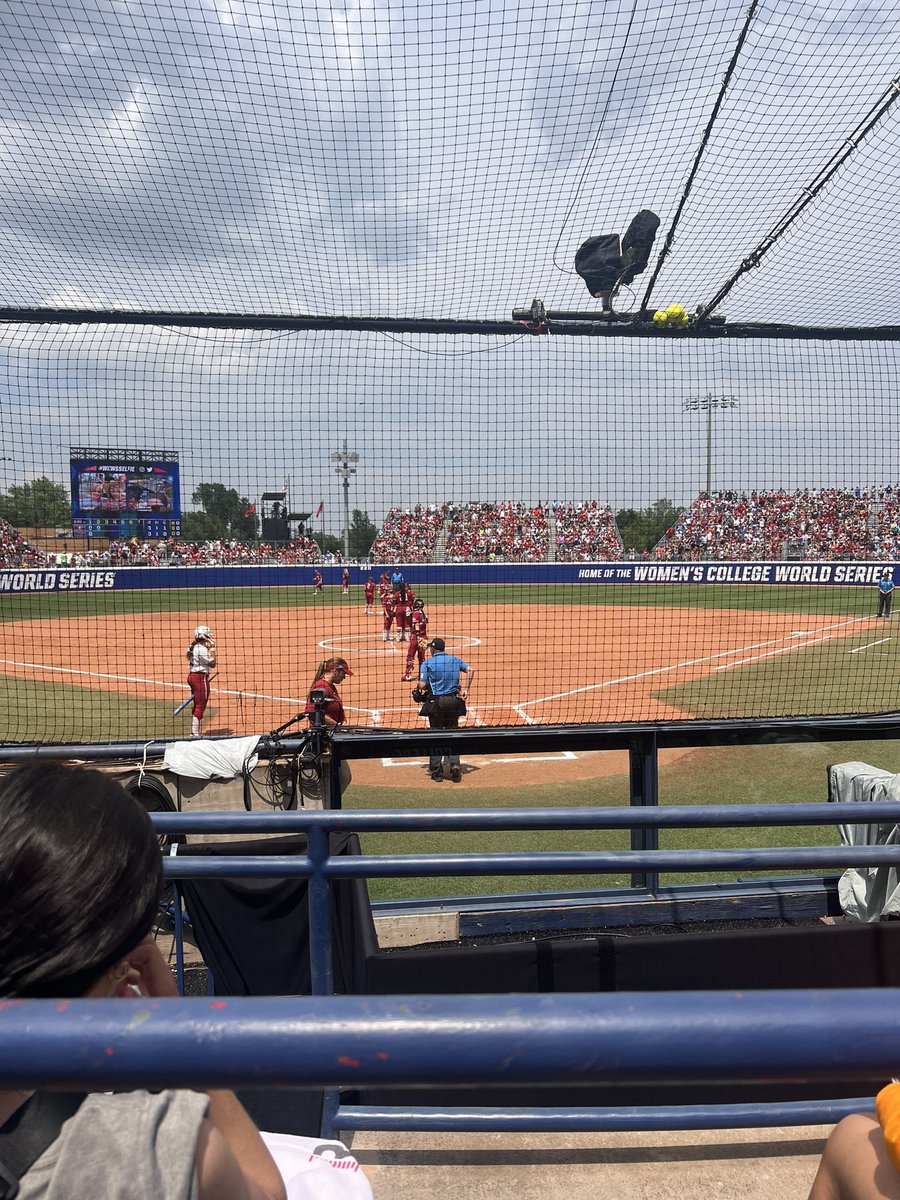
445,716
884,603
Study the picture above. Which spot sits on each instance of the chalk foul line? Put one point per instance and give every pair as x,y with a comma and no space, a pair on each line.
691,662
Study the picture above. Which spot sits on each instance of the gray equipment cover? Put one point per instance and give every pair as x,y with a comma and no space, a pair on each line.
872,893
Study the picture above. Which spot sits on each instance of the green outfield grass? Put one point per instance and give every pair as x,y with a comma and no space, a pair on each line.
729,775
838,601
847,675
31,711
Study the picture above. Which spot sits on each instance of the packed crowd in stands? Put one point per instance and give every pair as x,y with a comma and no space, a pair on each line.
887,525
17,551
813,523
409,535
218,552
505,532
586,531
824,523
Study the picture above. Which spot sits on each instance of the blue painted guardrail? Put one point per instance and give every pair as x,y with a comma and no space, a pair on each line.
357,1041
319,866
667,1032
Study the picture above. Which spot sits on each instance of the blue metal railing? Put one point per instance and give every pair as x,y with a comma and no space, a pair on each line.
356,1041
276,1042
319,866
778,1015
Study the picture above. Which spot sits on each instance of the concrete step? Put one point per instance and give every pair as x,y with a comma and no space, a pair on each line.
743,1164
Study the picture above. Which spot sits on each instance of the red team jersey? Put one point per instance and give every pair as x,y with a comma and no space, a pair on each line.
418,625
370,590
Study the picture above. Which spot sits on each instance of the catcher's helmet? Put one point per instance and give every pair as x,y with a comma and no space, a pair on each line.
419,604
203,631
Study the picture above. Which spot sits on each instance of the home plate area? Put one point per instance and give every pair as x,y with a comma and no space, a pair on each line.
482,761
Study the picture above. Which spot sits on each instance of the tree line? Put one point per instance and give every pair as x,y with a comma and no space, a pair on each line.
641,528
222,513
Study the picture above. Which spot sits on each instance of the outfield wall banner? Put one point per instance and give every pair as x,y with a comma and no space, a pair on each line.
107,579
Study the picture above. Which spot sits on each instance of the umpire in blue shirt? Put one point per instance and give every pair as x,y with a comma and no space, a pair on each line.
885,593
449,679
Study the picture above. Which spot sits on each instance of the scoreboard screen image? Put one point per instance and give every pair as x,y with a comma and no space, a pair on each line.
129,492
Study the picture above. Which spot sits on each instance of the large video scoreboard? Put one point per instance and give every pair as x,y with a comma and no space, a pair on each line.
125,493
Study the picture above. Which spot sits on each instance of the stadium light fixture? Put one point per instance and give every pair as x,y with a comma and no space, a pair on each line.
344,458
706,404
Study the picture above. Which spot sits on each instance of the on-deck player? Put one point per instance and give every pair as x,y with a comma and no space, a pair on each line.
418,625
370,593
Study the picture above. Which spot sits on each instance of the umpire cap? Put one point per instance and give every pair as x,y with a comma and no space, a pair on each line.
437,644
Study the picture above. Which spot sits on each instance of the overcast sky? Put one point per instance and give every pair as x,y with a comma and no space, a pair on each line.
442,160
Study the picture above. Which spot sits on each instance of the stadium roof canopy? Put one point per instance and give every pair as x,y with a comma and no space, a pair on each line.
446,159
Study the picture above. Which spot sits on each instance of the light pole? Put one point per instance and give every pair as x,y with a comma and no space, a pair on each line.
344,458
706,404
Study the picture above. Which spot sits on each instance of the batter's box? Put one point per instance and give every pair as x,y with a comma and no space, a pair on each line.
563,756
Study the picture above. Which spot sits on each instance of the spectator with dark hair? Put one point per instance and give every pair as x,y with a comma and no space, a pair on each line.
80,883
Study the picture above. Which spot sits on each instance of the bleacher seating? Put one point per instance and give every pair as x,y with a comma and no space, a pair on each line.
829,523
16,550
505,532
409,535
824,523
586,531
217,552
887,524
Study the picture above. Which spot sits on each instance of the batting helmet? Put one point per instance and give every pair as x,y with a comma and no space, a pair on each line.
203,631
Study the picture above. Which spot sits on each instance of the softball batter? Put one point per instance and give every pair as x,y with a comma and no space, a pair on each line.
201,656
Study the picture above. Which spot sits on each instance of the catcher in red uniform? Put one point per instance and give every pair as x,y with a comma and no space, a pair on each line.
418,637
